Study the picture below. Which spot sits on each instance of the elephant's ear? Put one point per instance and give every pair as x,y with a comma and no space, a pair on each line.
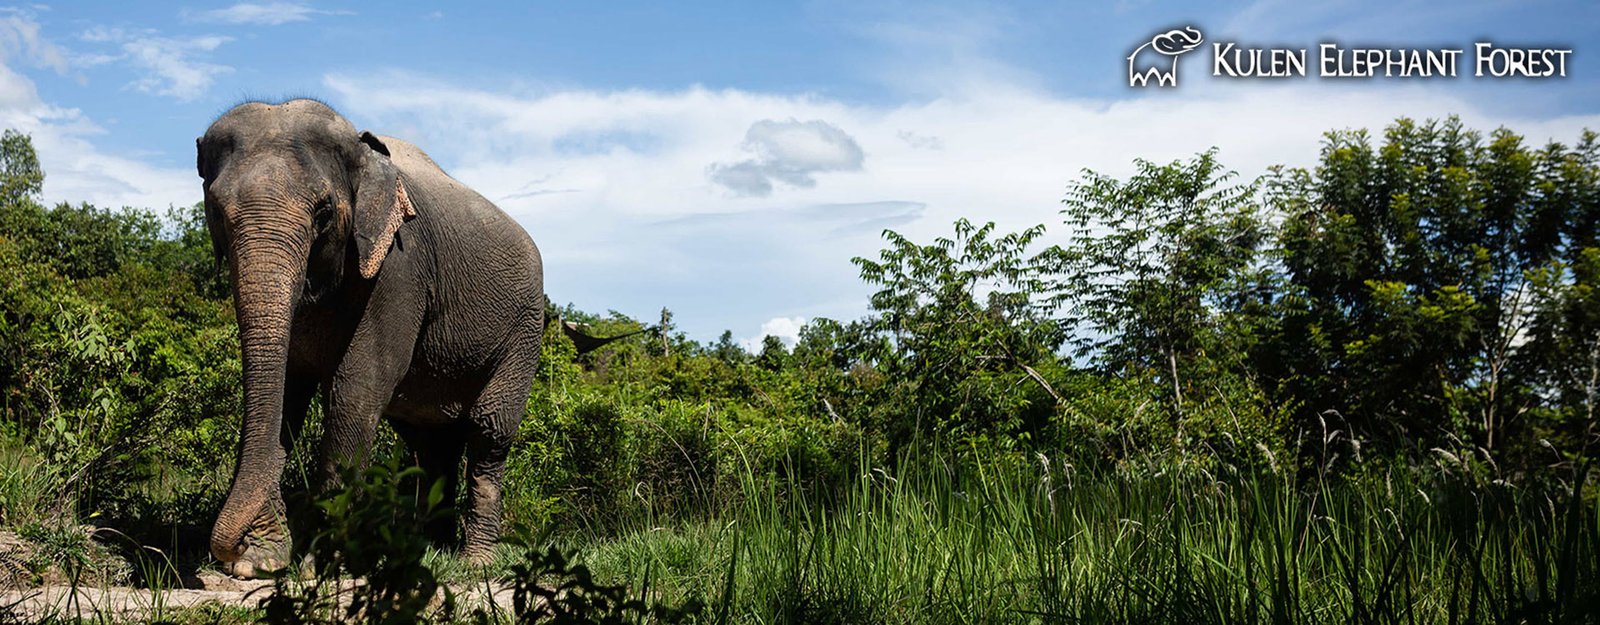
219,243
381,205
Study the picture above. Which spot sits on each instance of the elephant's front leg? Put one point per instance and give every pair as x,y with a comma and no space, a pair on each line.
363,383
360,390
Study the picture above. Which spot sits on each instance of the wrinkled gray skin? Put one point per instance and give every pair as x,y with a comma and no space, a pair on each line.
362,270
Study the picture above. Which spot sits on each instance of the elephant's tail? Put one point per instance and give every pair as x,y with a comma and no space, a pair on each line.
581,339
587,343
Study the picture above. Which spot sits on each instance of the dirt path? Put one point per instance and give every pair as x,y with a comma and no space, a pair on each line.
132,604
119,603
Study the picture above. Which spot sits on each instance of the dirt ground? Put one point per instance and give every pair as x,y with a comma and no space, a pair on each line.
121,603
136,604
23,601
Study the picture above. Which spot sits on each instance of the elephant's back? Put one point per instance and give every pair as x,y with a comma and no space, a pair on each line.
453,201
420,167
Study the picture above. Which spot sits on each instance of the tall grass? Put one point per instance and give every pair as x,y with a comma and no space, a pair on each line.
945,540
1001,543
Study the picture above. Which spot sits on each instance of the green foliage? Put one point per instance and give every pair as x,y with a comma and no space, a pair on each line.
1152,260
1163,276
367,529
26,479
70,551
118,359
20,175
1563,361
959,335
1412,274
548,588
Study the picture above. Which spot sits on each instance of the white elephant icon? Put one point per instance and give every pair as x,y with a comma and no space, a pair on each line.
1161,62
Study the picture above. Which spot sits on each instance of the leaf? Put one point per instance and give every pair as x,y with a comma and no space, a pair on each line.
436,494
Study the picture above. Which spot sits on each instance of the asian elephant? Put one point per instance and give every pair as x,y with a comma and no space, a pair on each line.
362,270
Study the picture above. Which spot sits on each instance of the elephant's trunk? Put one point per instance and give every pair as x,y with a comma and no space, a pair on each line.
268,262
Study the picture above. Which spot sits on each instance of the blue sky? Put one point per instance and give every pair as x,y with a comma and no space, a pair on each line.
726,160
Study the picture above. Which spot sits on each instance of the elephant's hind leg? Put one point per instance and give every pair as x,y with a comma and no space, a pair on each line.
493,425
437,451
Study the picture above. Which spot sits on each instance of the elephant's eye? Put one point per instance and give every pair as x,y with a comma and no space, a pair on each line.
323,214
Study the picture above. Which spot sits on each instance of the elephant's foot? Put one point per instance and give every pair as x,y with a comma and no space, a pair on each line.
260,561
480,555
482,531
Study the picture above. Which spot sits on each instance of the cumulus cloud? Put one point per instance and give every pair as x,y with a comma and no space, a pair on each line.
790,152
265,14
167,65
76,170
787,329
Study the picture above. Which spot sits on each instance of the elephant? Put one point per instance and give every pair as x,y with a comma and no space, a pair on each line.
363,272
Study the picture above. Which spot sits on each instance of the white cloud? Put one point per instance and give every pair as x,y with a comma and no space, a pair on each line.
20,39
169,69
787,329
639,225
75,169
789,152
78,171
937,49
167,64
265,14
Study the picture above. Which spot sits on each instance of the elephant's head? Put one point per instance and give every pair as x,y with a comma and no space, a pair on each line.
298,203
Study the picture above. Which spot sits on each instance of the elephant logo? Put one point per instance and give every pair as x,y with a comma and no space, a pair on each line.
1161,63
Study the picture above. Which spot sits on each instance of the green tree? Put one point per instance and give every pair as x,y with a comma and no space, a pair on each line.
1409,271
20,175
774,354
966,337
1560,358
1154,264
728,350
